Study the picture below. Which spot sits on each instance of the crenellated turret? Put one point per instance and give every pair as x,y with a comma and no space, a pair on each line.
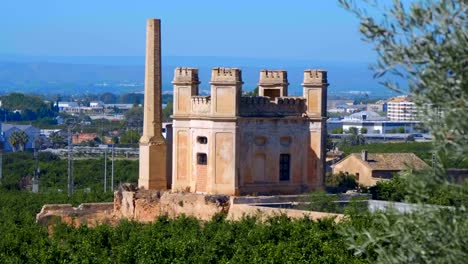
185,86
226,90
315,91
273,83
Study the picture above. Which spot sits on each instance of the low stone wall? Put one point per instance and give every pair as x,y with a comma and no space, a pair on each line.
377,205
146,206
238,211
90,214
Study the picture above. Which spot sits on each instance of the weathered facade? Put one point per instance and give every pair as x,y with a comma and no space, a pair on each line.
232,144
369,168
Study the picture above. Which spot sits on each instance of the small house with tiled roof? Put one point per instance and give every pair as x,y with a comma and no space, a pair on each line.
370,168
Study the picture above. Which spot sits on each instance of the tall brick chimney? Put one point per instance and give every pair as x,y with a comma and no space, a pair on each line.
152,143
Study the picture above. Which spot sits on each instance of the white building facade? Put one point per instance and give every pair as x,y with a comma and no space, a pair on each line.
401,109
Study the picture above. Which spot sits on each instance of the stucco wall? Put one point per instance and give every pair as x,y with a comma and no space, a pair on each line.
218,175
261,141
353,165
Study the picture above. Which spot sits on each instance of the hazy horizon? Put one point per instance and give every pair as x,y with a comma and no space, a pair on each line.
122,74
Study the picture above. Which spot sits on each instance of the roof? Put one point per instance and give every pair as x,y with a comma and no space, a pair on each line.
366,115
6,127
400,99
391,161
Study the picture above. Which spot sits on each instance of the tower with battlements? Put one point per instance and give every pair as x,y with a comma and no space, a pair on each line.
231,144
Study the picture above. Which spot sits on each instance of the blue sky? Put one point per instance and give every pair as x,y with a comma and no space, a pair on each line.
297,29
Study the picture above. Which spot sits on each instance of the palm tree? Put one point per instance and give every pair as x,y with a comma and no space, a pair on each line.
18,140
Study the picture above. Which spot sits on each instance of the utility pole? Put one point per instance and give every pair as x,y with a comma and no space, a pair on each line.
72,170
35,181
70,178
105,169
112,173
69,162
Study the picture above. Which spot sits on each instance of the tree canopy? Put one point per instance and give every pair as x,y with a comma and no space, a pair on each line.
424,43
18,140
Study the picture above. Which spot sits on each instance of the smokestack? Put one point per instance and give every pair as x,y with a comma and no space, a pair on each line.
364,155
152,143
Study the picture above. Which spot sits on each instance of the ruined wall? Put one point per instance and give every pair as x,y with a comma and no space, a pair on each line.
146,206
90,214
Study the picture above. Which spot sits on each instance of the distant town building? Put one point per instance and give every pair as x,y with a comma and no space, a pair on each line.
335,103
48,132
379,106
32,132
96,104
373,124
79,138
370,168
401,109
65,106
122,107
346,108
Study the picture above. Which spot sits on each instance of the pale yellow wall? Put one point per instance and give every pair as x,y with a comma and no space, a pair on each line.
226,89
218,176
315,91
225,103
182,100
353,165
185,86
261,141
313,101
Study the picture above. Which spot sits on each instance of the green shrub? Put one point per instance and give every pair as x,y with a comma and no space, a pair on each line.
340,182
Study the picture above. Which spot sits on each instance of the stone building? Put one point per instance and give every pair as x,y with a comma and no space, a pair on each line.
369,168
232,144
227,143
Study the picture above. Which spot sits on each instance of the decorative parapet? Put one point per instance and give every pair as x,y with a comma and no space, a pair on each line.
185,76
315,77
201,105
261,106
273,77
226,75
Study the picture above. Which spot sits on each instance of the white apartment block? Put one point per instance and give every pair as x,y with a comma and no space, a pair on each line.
401,109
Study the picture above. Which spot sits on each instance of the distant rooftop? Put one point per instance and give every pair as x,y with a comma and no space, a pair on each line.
393,161
365,116
397,99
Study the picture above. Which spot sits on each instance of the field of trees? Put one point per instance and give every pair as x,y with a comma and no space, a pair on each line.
18,168
183,240
361,237
440,233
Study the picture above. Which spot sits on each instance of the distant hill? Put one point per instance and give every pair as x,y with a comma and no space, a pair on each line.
78,75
